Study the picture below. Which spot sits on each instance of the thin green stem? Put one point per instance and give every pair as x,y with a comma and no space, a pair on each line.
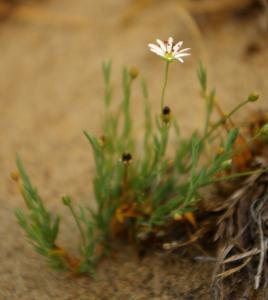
125,178
210,104
224,119
233,176
164,85
78,225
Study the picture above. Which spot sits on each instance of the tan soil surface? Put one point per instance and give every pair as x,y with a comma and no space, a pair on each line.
51,89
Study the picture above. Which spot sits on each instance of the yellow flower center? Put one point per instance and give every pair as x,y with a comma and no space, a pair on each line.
169,56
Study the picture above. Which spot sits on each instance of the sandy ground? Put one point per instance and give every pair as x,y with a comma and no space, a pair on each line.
51,89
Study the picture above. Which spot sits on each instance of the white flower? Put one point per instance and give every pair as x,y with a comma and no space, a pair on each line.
168,50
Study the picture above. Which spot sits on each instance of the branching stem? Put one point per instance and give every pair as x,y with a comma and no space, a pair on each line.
224,119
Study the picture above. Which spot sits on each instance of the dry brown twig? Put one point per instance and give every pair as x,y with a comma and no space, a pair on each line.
249,204
263,250
237,257
231,271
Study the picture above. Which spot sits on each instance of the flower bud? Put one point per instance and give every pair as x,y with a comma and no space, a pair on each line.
177,216
220,150
253,97
15,175
102,140
66,200
133,72
226,164
263,133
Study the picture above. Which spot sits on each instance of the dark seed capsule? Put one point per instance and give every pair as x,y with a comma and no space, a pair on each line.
166,114
126,158
166,110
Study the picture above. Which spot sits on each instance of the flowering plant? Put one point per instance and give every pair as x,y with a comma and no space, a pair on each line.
139,197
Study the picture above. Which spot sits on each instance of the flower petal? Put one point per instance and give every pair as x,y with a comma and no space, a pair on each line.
183,50
158,52
181,60
181,55
162,45
177,46
153,46
170,40
169,44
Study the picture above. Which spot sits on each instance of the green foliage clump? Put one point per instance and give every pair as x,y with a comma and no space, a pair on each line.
138,191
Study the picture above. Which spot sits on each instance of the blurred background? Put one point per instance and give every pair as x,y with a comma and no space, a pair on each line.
51,89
